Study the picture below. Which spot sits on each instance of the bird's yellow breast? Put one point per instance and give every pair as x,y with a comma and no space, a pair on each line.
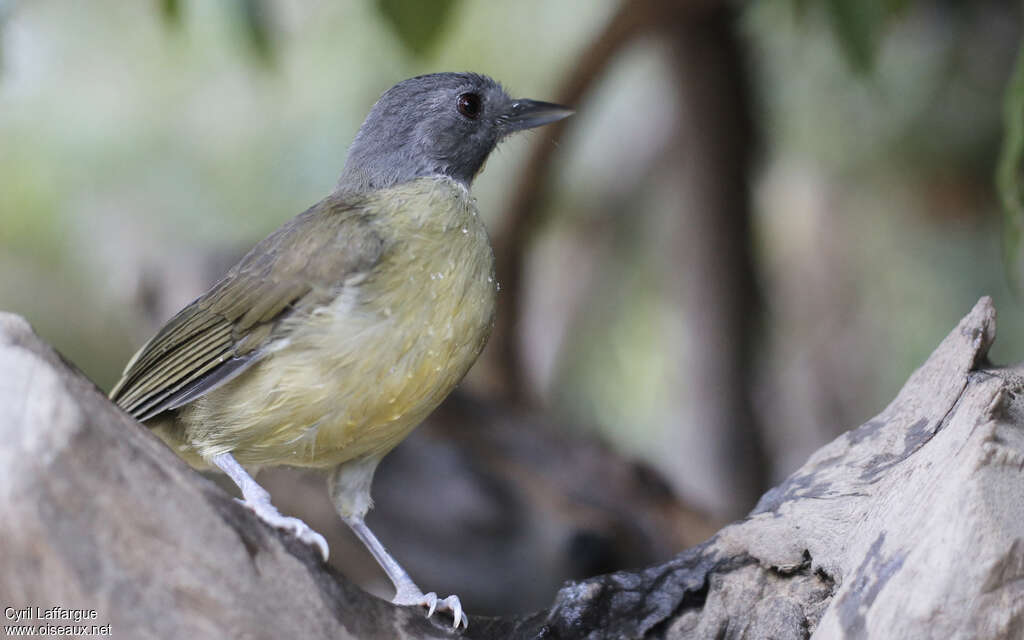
353,377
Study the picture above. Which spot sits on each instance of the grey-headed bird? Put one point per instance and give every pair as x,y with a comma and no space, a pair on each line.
343,329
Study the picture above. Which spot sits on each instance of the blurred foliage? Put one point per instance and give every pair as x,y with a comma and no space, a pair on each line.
130,156
418,24
254,19
857,26
171,10
257,25
5,12
1010,177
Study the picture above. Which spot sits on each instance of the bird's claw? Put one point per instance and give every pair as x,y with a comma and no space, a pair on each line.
268,513
451,604
454,605
430,602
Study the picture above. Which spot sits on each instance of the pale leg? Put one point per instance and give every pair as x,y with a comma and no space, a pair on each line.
256,498
349,486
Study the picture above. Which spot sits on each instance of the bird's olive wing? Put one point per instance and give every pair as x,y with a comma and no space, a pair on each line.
301,265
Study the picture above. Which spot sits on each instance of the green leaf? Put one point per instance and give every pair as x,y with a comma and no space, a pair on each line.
417,23
171,10
857,26
6,9
257,24
800,7
1010,172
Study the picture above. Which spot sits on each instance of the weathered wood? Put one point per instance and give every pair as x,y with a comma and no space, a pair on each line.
911,526
98,514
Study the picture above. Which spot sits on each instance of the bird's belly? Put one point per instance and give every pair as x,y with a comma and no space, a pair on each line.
355,377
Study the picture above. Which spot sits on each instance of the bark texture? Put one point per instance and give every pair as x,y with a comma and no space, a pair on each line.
910,526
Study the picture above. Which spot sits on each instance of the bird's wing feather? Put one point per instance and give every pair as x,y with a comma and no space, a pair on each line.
226,330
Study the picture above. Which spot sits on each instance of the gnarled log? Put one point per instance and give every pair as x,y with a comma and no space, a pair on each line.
910,526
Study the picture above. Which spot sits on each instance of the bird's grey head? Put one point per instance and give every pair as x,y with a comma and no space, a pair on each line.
443,124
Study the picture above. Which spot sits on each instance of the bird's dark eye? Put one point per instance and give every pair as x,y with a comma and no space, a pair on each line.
469,105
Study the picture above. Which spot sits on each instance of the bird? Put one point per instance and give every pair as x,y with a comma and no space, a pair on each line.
338,333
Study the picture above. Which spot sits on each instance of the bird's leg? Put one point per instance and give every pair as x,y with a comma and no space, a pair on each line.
258,499
349,486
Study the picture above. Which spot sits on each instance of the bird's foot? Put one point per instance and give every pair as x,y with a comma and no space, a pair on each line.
451,604
268,513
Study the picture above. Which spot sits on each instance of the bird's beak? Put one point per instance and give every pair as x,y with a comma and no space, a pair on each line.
527,114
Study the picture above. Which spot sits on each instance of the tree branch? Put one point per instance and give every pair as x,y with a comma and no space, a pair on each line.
523,215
